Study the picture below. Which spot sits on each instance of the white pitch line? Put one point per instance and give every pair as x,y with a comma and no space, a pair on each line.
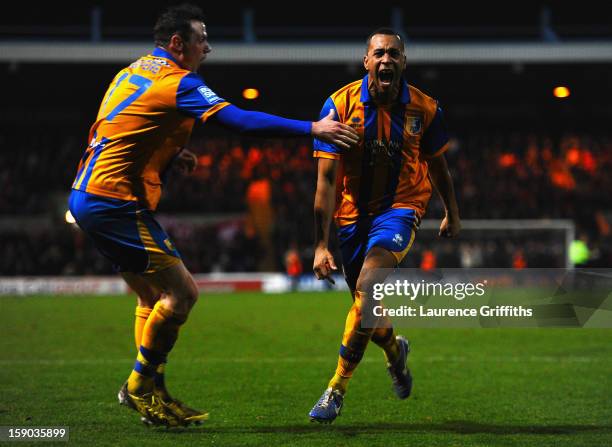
331,359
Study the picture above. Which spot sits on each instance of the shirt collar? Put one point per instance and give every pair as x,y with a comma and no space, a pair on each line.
404,94
161,52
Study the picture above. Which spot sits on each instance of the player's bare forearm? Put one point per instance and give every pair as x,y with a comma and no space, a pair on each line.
325,199
443,182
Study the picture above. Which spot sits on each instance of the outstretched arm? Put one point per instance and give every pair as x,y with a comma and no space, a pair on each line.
264,124
195,99
443,182
325,200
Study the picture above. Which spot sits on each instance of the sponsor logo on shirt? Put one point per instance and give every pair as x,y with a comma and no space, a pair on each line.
208,94
383,152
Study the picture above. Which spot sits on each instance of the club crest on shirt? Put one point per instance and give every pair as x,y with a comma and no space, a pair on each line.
414,124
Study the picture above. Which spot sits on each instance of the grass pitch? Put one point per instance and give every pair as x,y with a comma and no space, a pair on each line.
259,362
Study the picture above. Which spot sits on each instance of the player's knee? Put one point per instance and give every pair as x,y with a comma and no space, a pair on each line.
365,282
189,295
183,299
148,299
368,278
193,294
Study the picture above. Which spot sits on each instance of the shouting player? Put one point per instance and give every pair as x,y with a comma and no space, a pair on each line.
144,122
386,184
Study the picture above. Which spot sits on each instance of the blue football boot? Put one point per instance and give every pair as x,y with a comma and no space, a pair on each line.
328,407
399,372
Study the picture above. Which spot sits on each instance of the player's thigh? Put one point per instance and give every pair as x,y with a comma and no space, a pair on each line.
353,241
389,239
126,234
376,267
394,231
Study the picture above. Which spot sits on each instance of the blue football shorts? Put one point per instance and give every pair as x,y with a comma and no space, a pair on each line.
393,230
125,233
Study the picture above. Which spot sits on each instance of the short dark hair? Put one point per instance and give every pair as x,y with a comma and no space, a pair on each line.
386,32
176,20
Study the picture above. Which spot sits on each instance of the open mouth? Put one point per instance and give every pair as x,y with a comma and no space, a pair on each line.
385,76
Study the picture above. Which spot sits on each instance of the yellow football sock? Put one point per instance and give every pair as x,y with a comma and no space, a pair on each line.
141,314
339,383
158,337
354,343
140,380
162,328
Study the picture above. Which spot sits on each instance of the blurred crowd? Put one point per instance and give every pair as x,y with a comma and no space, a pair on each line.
258,195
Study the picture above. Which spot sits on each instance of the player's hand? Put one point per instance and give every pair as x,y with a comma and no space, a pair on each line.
185,162
334,132
450,226
324,264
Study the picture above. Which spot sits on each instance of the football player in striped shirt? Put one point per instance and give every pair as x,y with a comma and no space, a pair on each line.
385,183
143,124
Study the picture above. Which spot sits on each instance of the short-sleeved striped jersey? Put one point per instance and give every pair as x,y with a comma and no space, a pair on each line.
145,118
388,169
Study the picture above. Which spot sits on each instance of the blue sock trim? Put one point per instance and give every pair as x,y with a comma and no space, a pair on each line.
145,370
153,357
350,355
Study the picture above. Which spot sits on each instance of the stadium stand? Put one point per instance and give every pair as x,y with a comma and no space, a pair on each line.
518,153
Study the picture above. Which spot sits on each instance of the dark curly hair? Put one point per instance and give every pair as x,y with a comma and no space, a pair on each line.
176,20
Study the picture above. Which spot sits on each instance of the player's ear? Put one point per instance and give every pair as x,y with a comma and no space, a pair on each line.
176,42
365,62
